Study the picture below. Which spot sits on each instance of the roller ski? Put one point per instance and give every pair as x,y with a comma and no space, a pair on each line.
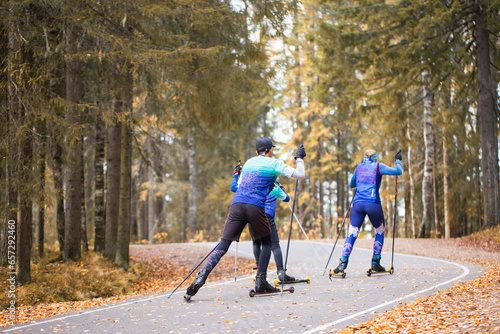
376,268
262,286
253,293
287,279
307,280
370,271
340,271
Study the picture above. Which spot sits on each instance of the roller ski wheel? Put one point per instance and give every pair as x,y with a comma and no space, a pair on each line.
187,298
342,274
252,293
307,280
370,271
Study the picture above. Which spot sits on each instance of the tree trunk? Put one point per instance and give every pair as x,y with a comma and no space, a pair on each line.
341,183
407,215
14,100
42,159
487,122
134,202
59,188
427,185
113,175
88,205
25,203
4,154
41,206
99,222
25,215
57,155
411,178
159,209
446,189
21,154
150,196
321,194
330,212
340,200
437,224
123,233
193,180
185,221
85,244
74,91
143,222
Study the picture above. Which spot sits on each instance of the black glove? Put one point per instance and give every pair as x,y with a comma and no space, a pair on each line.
237,169
398,156
301,152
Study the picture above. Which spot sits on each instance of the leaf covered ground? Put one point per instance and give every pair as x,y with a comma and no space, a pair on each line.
471,307
94,280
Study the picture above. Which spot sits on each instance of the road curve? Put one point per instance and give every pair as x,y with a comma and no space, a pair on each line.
318,307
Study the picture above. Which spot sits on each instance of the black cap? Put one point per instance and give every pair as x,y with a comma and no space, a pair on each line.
264,144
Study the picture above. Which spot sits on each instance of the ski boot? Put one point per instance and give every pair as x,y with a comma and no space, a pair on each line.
376,263
262,285
340,270
282,276
289,279
197,284
376,268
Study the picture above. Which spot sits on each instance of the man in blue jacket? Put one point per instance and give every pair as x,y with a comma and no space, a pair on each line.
277,192
366,179
248,207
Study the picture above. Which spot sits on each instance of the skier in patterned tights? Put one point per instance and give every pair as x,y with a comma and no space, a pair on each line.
366,179
248,207
277,192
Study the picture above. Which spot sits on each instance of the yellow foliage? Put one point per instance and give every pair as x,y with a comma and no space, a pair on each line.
160,238
90,277
198,237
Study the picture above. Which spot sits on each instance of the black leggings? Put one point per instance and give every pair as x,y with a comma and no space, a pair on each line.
275,247
223,247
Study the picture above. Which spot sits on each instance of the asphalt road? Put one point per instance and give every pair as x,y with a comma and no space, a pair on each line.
318,307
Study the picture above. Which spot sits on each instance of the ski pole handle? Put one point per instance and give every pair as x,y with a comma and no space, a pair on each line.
398,156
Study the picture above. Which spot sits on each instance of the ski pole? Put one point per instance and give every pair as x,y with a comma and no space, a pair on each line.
300,225
394,221
289,233
338,235
192,271
235,261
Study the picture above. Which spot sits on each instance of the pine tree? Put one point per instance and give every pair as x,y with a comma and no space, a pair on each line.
74,89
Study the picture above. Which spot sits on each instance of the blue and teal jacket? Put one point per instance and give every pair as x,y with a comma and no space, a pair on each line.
257,181
367,178
271,199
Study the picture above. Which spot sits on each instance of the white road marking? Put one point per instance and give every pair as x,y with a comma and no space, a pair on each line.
333,323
